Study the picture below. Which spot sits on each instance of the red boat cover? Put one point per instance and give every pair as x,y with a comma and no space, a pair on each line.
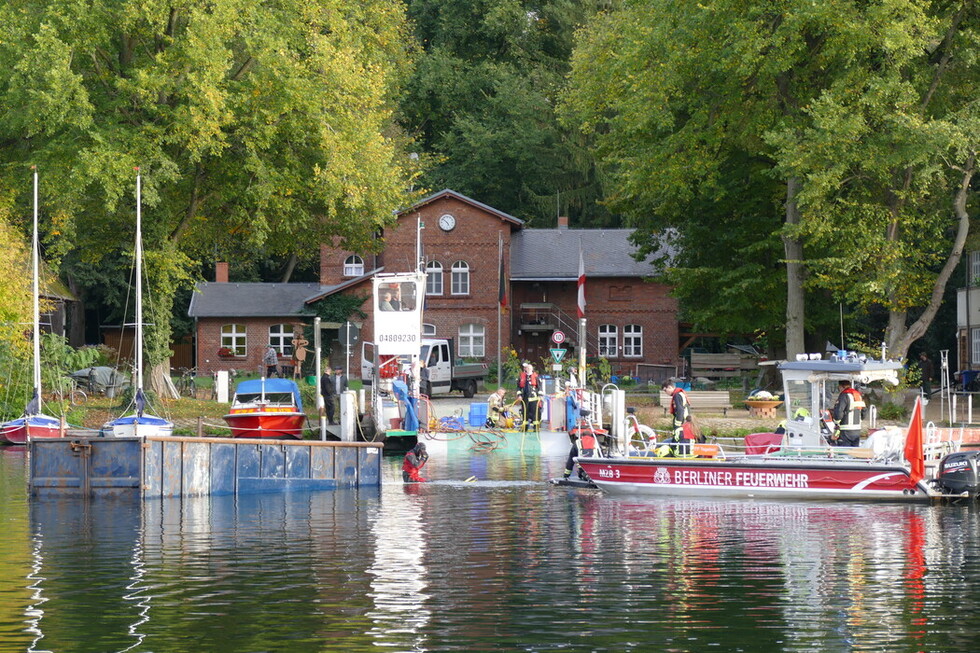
762,443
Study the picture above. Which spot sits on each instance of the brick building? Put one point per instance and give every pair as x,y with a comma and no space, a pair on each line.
631,322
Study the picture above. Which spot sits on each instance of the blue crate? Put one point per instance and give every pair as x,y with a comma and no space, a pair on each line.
478,414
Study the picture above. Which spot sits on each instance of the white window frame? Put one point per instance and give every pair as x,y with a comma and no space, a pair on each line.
433,278
460,284
608,340
472,340
281,338
353,266
428,330
975,346
974,268
235,338
633,341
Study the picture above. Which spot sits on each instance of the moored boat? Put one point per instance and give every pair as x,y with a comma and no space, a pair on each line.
891,466
266,408
140,423
33,423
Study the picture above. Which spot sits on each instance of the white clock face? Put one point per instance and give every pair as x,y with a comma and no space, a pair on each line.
447,222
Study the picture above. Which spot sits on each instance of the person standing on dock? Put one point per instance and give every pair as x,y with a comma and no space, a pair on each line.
927,370
681,421
847,413
271,361
413,463
530,389
328,391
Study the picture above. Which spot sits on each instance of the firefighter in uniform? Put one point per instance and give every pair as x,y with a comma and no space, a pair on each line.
847,414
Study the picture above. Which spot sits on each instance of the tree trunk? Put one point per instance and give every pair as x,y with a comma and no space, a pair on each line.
290,267
899,337
158,381
795,311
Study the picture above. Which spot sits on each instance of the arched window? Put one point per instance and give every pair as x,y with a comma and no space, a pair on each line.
433,278
608,340
233,339
353,266
471,340
428,330
281,338
461,278
633,341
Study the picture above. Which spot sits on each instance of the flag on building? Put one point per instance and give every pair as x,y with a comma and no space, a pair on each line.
581,283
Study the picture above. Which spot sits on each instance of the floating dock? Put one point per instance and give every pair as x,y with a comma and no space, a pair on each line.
157,467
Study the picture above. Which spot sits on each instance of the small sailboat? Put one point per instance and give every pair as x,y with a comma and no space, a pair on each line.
140,423
33,423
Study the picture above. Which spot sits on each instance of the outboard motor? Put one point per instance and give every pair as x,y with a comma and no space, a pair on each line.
960,472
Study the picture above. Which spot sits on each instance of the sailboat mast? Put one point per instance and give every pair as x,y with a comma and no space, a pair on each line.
139,283
35,262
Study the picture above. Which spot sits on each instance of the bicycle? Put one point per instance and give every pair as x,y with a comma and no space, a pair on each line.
69,391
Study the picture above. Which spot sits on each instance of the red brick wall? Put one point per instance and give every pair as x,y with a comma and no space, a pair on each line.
617,301
257,338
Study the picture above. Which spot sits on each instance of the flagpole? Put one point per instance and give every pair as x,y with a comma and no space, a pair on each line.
581,315
500,309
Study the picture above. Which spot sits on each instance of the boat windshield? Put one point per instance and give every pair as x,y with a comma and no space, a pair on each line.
276,398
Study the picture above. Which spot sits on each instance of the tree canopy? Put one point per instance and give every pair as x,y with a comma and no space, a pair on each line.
257,126
827,137
481,105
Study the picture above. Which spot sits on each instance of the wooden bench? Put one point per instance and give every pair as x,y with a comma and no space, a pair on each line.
720,366
702,401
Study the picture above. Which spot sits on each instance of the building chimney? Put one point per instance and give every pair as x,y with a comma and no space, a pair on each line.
221,272
563,222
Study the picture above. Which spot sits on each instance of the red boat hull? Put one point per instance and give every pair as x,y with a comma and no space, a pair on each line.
773,478
18,434
266,425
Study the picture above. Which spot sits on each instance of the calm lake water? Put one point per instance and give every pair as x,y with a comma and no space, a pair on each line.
501,563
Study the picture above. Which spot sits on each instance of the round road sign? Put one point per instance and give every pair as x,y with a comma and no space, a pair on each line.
558,337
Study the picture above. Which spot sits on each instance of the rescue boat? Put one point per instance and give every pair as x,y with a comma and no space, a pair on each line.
891,465
266,408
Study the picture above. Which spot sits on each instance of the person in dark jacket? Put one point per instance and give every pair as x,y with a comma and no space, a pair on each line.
681,419
328,389
847,414
927,371
413,463
530,388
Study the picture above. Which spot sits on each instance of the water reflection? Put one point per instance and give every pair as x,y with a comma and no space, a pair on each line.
502,562
398,587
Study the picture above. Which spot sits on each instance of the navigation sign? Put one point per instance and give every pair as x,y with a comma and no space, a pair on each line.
558,354
558,337
349,334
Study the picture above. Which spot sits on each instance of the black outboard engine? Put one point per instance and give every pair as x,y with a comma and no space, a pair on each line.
960,472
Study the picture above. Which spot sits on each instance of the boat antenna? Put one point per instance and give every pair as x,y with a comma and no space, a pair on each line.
842,326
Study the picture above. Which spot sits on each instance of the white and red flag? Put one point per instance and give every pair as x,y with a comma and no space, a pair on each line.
581,283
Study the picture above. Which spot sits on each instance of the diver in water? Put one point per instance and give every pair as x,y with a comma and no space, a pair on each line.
414,462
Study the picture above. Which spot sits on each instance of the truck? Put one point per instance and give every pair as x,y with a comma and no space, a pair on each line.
445,372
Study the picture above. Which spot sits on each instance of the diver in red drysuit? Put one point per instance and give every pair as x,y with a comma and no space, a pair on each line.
413,463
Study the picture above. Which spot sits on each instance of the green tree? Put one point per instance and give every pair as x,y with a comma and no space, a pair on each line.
15,318
698,108
258,127
481,104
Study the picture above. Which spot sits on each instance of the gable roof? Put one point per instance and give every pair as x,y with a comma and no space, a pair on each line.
552,254
425,201
219,299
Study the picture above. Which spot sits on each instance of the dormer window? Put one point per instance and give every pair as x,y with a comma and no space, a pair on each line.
353,266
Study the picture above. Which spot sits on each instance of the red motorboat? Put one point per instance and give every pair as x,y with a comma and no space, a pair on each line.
267,408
